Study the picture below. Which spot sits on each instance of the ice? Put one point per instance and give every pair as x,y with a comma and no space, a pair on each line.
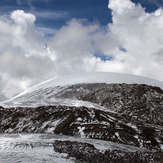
29,148
45,141
99,77
46,93
95,77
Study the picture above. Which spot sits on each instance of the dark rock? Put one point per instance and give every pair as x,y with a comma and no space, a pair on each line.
86,152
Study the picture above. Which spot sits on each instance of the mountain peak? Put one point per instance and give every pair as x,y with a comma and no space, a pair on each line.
98,77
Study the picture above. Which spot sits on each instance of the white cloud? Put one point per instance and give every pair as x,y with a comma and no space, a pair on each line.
22,18
120,7
52,15
134,41
140,34
24,59
73,46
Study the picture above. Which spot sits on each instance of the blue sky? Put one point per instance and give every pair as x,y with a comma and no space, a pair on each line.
55,13
42,39
60,11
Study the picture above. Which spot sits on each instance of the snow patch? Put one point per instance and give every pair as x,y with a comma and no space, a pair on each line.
161,146
81,131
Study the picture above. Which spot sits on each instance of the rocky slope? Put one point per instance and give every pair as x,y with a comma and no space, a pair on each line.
86,152
138,102
127,114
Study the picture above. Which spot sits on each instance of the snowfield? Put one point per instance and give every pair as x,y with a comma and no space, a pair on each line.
96,77
46,93
36,148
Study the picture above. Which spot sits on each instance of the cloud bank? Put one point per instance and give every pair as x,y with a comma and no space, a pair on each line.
132,43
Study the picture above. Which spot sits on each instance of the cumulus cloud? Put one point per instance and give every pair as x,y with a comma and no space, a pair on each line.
132,43
22,18
139,33
73,47
24,59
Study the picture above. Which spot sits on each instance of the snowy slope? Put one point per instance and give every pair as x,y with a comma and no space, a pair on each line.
36,148
90,105
97,77
51,92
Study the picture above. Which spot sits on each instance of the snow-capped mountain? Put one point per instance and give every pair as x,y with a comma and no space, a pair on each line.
95,77
120,108
55,90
